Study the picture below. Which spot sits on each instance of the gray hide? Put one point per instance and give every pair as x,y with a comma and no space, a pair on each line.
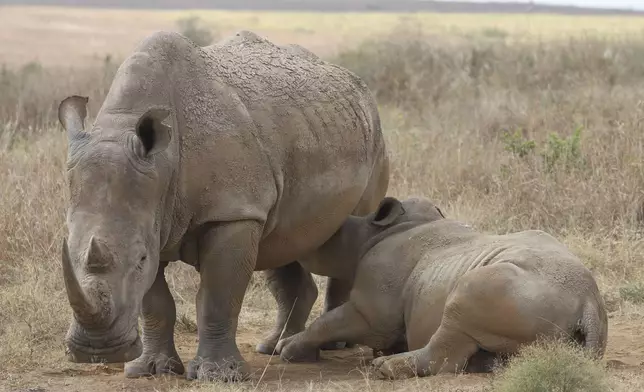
449,294
238,157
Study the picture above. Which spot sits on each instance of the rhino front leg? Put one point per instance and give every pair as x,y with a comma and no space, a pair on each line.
342,323
337,293
227,257
159,314
295,293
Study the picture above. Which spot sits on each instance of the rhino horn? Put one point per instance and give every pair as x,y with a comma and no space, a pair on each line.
81,304
98,256
71,114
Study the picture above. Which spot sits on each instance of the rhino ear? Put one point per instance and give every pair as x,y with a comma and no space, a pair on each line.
153,134
388,211
71,114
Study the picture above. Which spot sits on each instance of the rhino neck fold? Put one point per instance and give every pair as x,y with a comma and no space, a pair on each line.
378,234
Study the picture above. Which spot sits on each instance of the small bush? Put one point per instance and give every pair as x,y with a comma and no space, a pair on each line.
516,144
552,367
192,29
563,151
556,152
632,292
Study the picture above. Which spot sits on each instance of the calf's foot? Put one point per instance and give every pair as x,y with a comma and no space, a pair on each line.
394,367
295,349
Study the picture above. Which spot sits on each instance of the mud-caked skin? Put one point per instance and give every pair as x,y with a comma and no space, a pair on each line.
238,157
440,296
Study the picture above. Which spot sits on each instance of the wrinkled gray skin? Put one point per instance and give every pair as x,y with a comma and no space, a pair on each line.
238,157
449,294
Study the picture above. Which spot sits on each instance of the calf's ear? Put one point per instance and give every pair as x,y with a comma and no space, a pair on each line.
388,211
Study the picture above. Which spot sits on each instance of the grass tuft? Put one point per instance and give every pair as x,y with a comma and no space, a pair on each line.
552,367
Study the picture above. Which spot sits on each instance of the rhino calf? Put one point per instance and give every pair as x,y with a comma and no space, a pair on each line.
450,292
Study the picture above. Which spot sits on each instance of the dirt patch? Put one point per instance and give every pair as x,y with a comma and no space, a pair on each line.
337,370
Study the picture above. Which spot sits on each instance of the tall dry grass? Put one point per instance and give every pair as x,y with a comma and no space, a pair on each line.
446,108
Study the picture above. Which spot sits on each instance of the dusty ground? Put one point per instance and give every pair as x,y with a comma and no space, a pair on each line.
344,369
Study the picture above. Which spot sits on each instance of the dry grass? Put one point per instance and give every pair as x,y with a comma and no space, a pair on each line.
446,103
552,367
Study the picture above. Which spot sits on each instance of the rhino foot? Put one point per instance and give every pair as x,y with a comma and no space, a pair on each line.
292,350
394,367
265,348
269,345
149,365
228,370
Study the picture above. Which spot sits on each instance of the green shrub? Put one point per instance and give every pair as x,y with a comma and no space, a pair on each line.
566,152
632,292
552,367
556,151
516,144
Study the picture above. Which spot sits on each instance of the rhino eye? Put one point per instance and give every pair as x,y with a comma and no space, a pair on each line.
139,265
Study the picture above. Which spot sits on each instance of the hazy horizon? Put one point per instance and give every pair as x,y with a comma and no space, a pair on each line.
626,4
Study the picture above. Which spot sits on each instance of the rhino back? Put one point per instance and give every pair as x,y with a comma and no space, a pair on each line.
450,252
262,132
317,121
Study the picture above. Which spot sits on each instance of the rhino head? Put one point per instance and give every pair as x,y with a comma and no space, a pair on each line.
111,256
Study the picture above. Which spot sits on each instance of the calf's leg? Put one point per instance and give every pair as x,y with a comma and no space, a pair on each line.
337,293
344,323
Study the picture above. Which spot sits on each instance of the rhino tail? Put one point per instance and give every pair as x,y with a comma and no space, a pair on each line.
592,331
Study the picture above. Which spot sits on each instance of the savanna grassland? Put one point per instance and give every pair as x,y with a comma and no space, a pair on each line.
507,122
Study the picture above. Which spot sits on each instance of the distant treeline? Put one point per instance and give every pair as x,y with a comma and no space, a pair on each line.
335,5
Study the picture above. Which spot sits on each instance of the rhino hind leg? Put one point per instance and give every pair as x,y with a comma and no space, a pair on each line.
295,292
449,350
159,353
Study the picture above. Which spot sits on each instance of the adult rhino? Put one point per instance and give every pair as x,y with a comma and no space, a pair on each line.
237,157
448,293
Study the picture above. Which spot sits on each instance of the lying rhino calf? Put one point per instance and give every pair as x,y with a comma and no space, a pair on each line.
450,291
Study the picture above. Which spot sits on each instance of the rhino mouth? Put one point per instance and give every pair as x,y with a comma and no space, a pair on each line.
83,346
116,354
